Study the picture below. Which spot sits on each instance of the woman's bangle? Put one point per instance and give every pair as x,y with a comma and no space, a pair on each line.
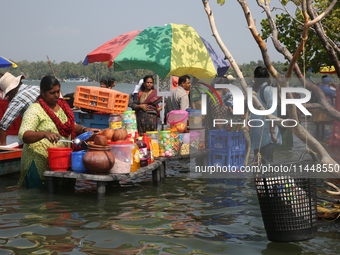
272,132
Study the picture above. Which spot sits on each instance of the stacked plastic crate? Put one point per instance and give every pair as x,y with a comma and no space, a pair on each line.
226,148
101,99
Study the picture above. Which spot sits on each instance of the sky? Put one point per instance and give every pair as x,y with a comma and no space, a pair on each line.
67,30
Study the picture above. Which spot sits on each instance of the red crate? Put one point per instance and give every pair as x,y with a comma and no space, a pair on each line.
14,128
101,99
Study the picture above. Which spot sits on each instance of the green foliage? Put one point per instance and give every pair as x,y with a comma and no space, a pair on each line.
290,34
221,2
248,69
65,70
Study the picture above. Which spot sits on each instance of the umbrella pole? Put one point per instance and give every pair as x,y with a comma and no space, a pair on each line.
162,115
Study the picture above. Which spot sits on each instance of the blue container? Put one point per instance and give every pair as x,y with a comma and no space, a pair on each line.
228,159
220,140
77,161
92,120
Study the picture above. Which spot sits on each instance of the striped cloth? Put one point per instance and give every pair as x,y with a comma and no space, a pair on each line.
25,97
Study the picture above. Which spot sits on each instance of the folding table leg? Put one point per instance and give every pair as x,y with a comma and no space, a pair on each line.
156,177
51,184
101,189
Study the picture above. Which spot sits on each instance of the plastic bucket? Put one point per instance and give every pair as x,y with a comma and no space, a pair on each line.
77,161
178,119
59,158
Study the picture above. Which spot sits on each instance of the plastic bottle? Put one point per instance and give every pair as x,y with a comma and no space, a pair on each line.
136,136
145,139
143,152
151,150
135,162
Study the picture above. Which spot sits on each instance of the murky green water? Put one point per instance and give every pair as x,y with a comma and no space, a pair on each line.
182,216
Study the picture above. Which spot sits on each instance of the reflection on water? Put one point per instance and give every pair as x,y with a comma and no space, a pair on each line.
183,216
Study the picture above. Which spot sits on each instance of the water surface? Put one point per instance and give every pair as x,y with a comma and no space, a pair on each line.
182,216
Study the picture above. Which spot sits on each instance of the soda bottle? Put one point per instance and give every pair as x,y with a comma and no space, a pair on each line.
143,152
136,136
151,150
145,139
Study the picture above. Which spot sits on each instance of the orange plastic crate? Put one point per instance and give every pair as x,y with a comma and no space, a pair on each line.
101,99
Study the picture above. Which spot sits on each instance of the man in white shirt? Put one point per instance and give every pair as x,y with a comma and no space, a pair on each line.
179,99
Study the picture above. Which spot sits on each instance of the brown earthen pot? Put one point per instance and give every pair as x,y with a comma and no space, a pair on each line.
98,159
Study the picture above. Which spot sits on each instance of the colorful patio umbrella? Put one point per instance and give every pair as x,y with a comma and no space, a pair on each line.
169,50
5,63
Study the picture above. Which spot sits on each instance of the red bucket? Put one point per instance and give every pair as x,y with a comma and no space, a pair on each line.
59,158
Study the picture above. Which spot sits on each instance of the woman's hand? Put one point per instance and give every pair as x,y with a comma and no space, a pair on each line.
144,107
159,108
94,130
52,137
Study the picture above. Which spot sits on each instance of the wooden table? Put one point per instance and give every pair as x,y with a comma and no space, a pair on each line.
158,173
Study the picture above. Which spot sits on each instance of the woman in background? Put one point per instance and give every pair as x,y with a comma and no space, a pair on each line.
146,106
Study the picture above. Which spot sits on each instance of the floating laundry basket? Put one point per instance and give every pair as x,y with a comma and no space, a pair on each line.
288,205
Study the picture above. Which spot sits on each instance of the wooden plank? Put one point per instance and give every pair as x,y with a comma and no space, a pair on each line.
104,178
9,153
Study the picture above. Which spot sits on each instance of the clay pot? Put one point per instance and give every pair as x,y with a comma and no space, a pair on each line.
120,135
100,140
98,159
108,133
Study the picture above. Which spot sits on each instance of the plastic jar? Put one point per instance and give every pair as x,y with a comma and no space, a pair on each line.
165,143
115,121
185,147
201,131
122,152
195,118
129,122
194,140
174,138
154,142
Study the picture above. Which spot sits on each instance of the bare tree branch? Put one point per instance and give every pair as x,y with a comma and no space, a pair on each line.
299,131
322,15
322,36
324,105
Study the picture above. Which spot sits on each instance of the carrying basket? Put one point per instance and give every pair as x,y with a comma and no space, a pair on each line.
288,205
